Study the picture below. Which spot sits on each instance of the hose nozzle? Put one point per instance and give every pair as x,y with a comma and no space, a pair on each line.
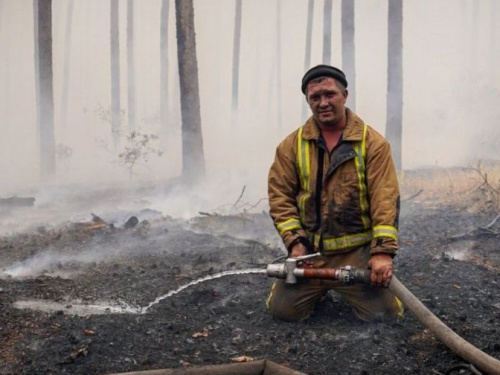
290,271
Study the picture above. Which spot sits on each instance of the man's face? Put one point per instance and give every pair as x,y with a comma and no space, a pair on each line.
327,102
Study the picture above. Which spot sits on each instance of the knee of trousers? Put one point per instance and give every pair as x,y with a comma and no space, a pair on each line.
282,308
286,312
390,313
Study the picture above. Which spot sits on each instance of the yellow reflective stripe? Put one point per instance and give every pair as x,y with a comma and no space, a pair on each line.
359,161
401,309
343,242
268,300
385,231
304,171
288,225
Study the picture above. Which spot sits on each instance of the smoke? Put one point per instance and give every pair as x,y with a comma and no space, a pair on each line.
51,262
60,209
450,94
69,262
464,252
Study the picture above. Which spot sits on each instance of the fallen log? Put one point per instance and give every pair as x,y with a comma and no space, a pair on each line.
95,227
477,232
17,202
96,219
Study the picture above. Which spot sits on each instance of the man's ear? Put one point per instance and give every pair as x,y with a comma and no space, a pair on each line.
346,93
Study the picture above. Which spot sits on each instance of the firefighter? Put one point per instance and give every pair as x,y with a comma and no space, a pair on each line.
333,189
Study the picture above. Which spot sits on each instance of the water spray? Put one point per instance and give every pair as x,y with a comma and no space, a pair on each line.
291,272
143,310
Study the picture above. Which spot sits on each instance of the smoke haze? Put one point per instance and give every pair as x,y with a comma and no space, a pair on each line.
450,67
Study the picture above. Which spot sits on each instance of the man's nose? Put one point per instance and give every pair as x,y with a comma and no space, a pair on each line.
323,101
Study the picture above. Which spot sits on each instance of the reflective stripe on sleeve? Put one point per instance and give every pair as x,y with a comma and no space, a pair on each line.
385,231
288,225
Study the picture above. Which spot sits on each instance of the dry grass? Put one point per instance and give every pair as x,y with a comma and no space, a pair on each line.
475,188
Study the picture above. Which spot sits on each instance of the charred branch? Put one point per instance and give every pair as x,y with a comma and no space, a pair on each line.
413,196
17,202
480,231
484,176
239,198
488,226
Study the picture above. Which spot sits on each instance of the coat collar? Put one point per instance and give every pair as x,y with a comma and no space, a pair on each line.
352,132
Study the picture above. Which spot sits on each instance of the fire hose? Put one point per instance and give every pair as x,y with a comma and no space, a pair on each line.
291,272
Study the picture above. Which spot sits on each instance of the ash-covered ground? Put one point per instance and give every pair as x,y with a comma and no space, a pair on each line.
73,294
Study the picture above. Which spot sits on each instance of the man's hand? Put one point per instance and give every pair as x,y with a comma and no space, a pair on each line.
381,266
299,250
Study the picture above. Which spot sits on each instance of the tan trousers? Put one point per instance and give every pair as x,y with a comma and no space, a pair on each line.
370,303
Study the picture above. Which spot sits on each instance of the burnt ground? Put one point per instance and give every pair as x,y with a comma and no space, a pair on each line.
213,322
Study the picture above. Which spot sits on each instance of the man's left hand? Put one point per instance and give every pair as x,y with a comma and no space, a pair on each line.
381,266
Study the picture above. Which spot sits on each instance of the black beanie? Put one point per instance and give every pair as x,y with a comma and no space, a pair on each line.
320,71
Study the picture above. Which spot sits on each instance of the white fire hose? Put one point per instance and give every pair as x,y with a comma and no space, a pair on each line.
290,271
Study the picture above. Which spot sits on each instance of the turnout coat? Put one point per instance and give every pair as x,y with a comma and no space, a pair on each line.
335,201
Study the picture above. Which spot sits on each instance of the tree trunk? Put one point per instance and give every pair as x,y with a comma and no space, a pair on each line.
193,163
307,54
44,82
37,78
236,55
278,66
67,59
476,7
493,37
165,8
115,74
493,69
5,49
394,127
130,67
327,32
348,49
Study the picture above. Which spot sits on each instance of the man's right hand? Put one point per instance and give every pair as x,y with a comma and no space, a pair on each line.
298,250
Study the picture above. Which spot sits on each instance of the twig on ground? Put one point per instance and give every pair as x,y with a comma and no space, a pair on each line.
239,198
479,231
258,202
484,176
281,257
488,226
96,227
463,366
414,195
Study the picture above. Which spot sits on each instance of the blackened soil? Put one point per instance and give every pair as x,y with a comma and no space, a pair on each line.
218,320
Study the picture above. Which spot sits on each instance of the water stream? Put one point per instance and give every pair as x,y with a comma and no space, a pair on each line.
79,308
201,280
